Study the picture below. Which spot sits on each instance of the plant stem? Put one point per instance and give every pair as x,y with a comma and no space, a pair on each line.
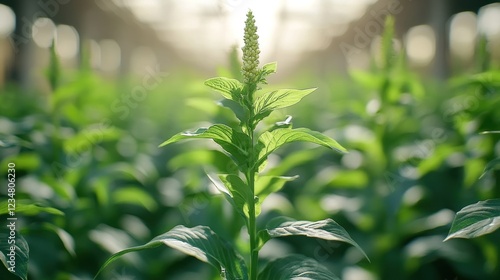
250,176
252,231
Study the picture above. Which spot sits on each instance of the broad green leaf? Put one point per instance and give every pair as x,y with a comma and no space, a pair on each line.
19,266
239,111
269,141
282,98
28,208
230,140
229,88
476,219
200,242
296,267
240,192
238,206
325,229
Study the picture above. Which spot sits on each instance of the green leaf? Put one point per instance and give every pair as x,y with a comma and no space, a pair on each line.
494,164
476,219
269,68
282,98
230,140
269,141
239,111
200,242
296,267
229,88
240,193
135,196
29,208
19,266
325,229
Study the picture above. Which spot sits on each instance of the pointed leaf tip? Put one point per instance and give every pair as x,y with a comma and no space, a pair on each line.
476,220
326,229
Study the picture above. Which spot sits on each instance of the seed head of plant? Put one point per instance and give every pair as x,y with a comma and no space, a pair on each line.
250,51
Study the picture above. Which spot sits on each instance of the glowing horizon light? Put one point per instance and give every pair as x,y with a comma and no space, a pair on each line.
288,28
421,45
463,35
8,22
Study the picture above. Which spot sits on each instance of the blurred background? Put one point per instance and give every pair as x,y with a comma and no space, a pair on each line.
83,120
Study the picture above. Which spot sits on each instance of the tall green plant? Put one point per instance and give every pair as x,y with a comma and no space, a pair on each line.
247,186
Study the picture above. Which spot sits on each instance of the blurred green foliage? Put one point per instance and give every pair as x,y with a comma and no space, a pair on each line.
92,181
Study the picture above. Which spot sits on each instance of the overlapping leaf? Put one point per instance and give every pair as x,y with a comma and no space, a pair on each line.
240,193
229,88
270,68
475,220
200,242
269,141
230,140
282,98
296,267
325,229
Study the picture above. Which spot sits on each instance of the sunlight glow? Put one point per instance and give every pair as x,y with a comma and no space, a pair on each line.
7,22
488,20
463,35
43,31
286,28
421,45
67,41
